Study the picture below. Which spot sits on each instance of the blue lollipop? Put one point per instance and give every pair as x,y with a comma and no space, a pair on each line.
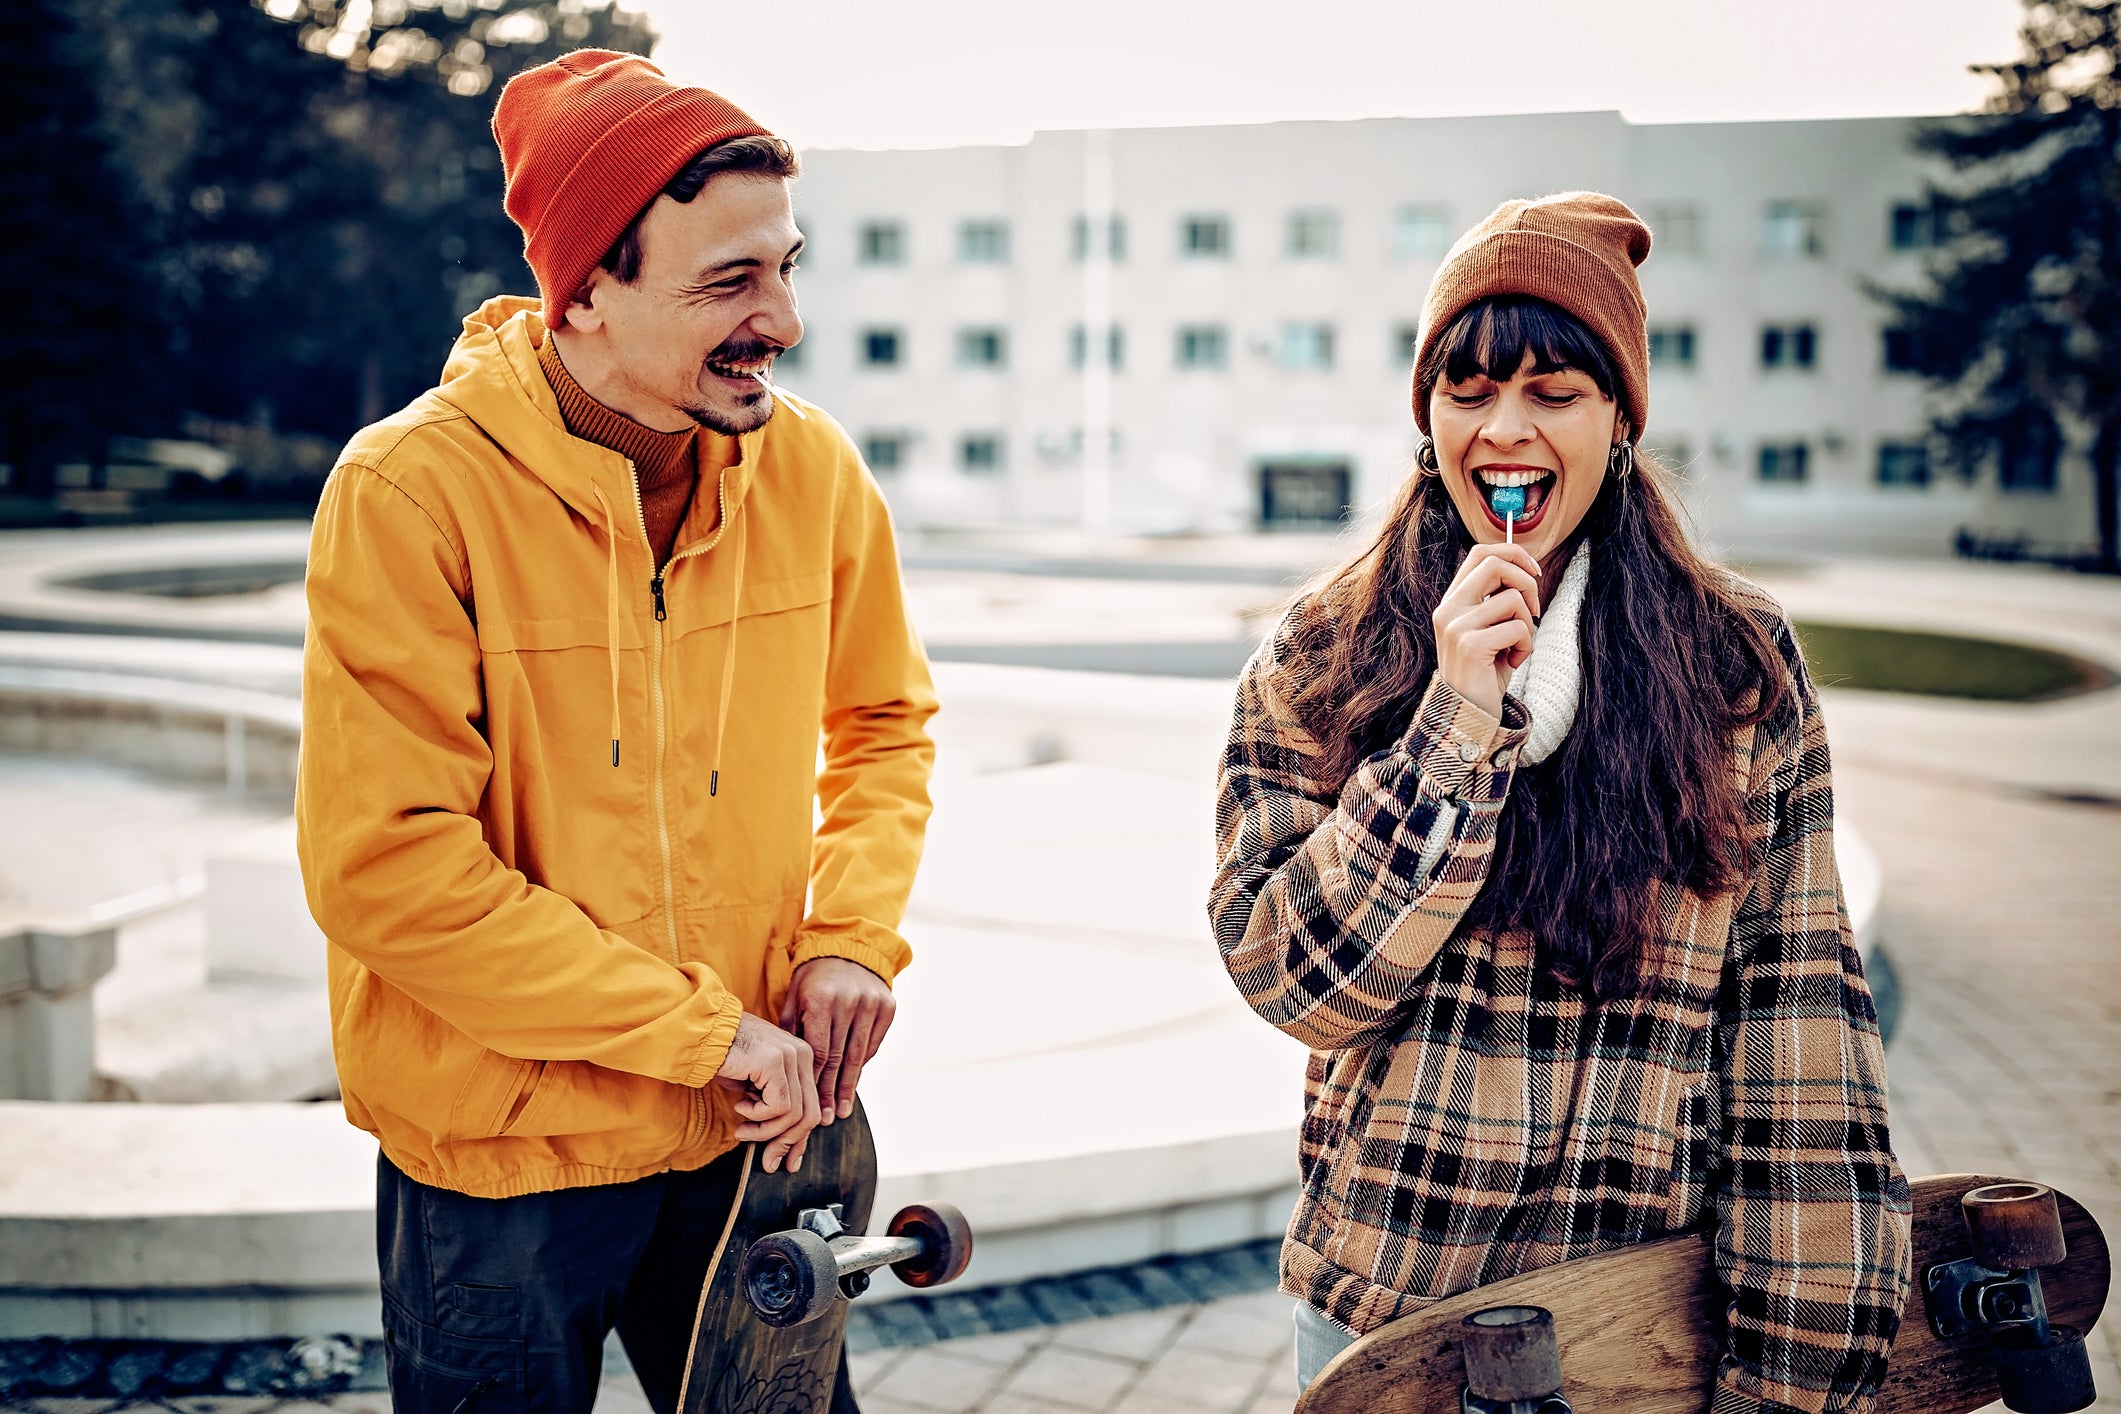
1508,502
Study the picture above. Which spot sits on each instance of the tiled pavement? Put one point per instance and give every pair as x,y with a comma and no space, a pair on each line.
1230,1355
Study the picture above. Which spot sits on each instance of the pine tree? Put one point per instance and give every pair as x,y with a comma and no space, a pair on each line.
2019,328
325,187
76,353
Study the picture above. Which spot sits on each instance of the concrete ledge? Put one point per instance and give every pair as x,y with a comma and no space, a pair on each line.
187,730
240,1222
184,1222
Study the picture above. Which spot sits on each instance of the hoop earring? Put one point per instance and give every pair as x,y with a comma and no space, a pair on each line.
1620,463
1425,457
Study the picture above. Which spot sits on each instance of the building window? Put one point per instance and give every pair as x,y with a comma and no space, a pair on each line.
1115,346
1314,234
1204,237
1115,241
1788,346
1420,233
1308,347
1784,463
1675,229
980,452
884,451
982,348
1794,228
882,348
1203,346
1903,351
882,243
1406,343
1304,493
1672,346
1911,226
1058,447
1903,464
983,242
2027,458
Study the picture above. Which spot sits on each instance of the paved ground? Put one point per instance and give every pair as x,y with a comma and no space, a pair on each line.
2004,924
2003,920
1230,1355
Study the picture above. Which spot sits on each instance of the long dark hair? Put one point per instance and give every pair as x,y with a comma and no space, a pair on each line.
1642,789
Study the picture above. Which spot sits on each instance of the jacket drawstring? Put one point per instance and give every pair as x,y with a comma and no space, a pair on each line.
611,635
736,604
611,611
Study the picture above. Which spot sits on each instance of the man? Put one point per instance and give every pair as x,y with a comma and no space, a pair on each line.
578,617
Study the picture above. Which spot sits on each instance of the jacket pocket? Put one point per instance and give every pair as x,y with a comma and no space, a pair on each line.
646,1119
494,1094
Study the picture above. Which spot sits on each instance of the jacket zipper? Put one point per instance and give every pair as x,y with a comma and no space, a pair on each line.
655,683
697,1130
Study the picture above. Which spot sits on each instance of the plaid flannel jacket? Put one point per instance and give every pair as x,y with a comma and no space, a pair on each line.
1468,1118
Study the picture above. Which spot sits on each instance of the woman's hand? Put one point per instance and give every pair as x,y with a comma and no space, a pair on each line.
1484,623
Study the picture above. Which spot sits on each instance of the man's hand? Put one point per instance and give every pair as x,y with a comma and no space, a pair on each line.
843,1010
770,1074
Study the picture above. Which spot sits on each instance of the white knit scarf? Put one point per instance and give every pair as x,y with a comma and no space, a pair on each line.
1551,681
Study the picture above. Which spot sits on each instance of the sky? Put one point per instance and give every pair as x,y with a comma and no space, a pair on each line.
940,73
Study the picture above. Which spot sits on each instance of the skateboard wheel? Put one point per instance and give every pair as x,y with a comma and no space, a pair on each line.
2015,1226
790,1278
946,1243
2050,1378
1510,1354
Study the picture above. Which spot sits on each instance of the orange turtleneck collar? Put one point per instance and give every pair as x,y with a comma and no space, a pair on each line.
665,464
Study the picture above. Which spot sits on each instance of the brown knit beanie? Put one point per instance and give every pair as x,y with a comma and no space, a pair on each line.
1577,251
587,141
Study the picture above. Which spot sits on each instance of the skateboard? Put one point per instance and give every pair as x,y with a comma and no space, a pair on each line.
770,1330
2008,1276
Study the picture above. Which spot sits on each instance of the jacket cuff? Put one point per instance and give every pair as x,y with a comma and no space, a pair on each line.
1462,751
1737,1393
714,1049
886,964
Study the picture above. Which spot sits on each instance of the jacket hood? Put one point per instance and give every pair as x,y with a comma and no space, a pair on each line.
492,377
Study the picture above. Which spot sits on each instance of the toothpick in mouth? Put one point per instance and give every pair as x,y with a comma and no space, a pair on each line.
786,401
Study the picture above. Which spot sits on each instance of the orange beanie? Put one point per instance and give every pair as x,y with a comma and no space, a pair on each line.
587,142
1577,251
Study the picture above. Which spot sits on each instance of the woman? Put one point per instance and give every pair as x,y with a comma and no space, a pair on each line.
1525,827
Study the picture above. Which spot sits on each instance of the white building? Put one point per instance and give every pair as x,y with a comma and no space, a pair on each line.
1263,288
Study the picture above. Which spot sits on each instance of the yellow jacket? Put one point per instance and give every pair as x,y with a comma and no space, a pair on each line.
556,817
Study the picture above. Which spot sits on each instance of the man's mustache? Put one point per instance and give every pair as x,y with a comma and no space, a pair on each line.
745,351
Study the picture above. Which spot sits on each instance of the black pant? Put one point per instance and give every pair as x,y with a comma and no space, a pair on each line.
498,1305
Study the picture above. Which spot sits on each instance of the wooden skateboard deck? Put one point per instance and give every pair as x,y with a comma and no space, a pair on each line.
739,1364
1638,1332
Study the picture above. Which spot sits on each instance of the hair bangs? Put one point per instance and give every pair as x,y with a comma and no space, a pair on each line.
1493,337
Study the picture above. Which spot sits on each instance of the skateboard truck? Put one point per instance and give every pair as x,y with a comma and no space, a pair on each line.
1513,1365
2041,1368
795,1276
